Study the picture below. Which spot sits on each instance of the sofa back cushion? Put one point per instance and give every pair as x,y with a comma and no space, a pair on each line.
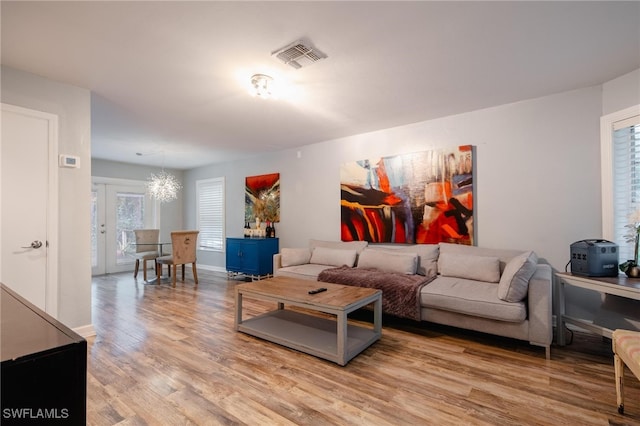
358,246
294,256
514,283
389,261
427,255
333,257
470,267
504,255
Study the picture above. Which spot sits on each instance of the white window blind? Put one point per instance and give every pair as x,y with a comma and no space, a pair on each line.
626,180
210,202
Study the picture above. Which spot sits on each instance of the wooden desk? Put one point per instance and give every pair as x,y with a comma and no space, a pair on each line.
619,286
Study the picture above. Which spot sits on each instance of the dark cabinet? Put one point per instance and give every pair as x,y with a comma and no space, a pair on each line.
251,256
44,366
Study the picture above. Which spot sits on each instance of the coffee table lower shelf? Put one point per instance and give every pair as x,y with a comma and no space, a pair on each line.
309,334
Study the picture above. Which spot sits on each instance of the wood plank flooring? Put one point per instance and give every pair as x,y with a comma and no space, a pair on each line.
170,356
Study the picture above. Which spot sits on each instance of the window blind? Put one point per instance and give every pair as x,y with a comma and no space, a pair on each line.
626,180
210,202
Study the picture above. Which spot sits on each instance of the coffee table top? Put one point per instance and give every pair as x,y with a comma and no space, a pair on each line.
287,289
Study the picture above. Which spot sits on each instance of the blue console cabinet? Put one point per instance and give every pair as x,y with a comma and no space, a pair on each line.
252,257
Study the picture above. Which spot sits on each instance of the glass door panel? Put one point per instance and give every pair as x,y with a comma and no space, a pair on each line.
129,216
116,210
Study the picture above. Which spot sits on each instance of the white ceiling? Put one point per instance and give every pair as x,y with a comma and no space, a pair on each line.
169,78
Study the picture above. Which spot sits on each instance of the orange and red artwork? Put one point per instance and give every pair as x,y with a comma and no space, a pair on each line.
424,197
262,198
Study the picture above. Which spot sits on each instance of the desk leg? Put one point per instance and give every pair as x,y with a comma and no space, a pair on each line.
560,311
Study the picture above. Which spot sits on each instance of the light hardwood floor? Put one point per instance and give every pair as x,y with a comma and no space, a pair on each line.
170,356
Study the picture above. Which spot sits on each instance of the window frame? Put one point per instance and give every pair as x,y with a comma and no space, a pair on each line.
199,184
607,123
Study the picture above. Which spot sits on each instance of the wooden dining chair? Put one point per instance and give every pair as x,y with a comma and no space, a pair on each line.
183,245
146,249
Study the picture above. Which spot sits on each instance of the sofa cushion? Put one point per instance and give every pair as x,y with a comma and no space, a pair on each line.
295,256
514,283
427,255
389,261
504,255
333,257
480,268
309,271
470,297
358,246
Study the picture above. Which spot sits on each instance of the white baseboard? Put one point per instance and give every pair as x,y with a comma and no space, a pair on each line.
211,268
85,331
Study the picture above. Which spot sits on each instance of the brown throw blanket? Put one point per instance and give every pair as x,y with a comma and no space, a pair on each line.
400,292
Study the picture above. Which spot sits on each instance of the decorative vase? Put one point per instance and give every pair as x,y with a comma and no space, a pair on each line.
633,272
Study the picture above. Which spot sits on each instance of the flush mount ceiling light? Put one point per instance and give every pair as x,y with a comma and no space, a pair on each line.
262,85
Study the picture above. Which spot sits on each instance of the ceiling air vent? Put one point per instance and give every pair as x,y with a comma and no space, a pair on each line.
298,54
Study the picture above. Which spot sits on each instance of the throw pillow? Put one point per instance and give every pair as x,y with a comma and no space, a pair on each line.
389,261
294,256
514,283
479,268
427,255
333,257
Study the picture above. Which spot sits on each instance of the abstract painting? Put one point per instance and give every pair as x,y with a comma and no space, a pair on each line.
424,197
262,198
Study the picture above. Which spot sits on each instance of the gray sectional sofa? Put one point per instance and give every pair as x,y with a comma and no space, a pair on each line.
502,292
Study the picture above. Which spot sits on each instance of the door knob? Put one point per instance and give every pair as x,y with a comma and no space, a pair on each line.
35,244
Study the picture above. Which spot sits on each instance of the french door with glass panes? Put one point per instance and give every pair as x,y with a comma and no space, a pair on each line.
116,210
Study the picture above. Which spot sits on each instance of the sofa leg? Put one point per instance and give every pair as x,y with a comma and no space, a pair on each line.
547,352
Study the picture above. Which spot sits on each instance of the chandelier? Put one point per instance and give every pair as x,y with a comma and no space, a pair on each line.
163,186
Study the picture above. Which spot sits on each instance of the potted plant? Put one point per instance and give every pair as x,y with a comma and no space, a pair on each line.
631,267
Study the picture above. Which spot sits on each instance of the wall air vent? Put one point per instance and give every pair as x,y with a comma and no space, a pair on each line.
298,54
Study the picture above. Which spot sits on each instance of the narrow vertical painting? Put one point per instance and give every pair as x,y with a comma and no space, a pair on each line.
424,197
262,198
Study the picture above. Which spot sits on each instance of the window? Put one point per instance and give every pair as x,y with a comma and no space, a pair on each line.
620,152
210,202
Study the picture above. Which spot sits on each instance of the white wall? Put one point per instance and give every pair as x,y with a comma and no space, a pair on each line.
72,106
537,179
620,93
537,186
170,212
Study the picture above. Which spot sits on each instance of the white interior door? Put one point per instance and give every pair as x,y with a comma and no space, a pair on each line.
120,207
29,210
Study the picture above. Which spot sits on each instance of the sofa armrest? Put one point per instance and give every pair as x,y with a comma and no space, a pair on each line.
277,262
540,306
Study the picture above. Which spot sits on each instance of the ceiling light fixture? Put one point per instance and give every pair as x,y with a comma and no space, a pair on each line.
261,85
163,186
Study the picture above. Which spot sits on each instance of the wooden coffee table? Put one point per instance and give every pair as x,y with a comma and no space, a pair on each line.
334,340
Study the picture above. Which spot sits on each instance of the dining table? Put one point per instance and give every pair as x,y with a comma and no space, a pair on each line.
160,246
